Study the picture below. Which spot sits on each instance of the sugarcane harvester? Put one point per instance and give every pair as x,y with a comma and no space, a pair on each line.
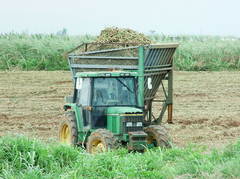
114,94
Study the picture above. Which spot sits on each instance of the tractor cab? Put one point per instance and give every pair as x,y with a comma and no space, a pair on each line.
98,92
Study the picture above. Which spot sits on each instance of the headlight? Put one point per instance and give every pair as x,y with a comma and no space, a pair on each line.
139,124
129,124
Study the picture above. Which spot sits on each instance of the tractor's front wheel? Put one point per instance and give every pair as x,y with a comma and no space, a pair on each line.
100,141
157,136
68,130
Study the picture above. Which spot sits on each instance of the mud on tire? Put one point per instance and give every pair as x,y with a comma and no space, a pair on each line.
158,136
68,129
101,140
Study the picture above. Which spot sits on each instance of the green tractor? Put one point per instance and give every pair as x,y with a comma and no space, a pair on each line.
113,94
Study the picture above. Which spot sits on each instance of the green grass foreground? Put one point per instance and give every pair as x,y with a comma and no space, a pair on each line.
21,157
46,51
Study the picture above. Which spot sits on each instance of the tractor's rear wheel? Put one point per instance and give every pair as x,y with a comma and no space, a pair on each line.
157,136
68,130
100,141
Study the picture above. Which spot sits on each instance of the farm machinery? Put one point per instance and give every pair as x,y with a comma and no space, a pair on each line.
114,92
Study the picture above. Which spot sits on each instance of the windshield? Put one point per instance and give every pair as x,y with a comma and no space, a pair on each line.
114,91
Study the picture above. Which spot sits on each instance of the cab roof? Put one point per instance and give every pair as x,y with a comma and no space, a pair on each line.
106,74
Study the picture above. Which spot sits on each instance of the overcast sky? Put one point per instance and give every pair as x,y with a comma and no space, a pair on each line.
212,17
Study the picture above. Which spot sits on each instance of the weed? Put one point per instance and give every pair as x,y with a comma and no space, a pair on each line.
21,157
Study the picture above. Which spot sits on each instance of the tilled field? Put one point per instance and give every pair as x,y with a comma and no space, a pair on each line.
206,105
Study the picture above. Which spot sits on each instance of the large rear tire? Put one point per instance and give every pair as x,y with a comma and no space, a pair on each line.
158,136
68,129
100,141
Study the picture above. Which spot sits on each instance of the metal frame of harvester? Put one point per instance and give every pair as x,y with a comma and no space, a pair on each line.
153,64
101,114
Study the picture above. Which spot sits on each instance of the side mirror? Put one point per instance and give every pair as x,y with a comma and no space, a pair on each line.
79,83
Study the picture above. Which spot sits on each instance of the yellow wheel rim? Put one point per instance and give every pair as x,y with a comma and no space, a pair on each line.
98,147
65,135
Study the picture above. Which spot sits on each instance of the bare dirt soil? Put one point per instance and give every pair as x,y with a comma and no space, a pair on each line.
206,105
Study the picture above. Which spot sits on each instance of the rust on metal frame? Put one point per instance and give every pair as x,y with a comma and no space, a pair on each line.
170,110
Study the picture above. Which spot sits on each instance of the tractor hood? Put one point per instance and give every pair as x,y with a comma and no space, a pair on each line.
122,110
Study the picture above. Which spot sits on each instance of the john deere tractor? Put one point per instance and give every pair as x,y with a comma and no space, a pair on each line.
114,91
